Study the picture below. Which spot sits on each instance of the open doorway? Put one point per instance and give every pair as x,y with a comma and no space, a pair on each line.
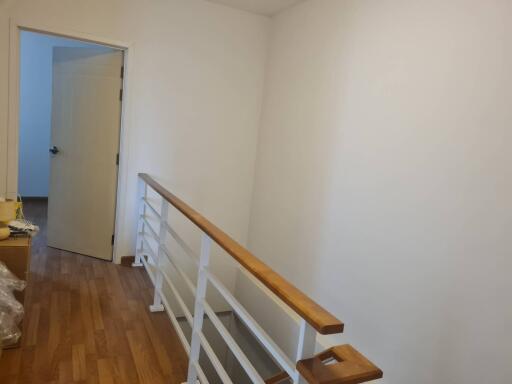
69,131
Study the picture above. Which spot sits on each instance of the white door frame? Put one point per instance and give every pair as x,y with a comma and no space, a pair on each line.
16,27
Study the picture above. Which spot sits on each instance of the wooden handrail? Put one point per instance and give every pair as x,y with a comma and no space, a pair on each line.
320,319
339,365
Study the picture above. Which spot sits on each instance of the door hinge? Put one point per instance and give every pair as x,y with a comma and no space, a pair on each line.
113,237
117,159
121,94
122,72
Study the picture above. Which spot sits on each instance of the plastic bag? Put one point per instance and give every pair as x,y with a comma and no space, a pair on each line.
9,331
11,311
9,304
8,279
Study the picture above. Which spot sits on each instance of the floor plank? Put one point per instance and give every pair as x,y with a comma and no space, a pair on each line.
87,321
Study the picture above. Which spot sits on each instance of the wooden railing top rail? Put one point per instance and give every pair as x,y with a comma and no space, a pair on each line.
319,318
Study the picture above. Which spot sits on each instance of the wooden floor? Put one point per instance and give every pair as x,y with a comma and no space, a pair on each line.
87,321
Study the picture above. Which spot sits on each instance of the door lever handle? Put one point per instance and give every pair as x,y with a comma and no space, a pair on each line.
54,150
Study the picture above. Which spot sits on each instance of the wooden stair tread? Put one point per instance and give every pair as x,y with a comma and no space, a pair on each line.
281,377
346,366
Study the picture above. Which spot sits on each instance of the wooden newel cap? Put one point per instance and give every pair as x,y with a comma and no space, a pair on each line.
338,365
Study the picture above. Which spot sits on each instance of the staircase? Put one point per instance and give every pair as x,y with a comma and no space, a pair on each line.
340,364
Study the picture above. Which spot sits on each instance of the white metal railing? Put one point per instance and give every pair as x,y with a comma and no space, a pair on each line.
153,260
160,302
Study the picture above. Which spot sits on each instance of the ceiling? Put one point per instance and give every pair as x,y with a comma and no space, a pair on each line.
263,7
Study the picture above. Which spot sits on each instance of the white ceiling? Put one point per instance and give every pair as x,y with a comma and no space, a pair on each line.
263,7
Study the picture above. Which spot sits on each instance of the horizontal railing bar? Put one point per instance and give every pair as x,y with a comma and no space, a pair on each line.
172,316
150,235
233,346
181,335
176,324
189,283
313,313
209,351
267,342
204,342
148,204
148,269
169,282
150,227
178,297
200,373
143,236
219,368
182,244
151,253
277,353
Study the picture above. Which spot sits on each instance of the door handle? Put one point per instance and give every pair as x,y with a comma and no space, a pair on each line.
54,150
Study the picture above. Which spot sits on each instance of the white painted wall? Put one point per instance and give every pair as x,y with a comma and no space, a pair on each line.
384,181
194,93
36,76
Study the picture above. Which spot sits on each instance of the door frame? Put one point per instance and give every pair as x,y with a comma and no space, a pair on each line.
15,28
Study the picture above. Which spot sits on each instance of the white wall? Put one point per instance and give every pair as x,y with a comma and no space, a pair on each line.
36,74
384,179
382,185
193,100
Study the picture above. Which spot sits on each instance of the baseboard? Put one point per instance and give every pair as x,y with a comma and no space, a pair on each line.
127,261
34,198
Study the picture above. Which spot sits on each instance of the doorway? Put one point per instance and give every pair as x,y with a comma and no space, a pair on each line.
69,134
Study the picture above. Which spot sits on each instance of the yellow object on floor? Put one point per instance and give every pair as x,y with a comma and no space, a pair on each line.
5,232
8,211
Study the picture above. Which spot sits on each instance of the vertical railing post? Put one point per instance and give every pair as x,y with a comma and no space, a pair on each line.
305,348
157,305
202,283
142,190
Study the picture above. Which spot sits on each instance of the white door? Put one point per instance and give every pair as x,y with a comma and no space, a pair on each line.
86,114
